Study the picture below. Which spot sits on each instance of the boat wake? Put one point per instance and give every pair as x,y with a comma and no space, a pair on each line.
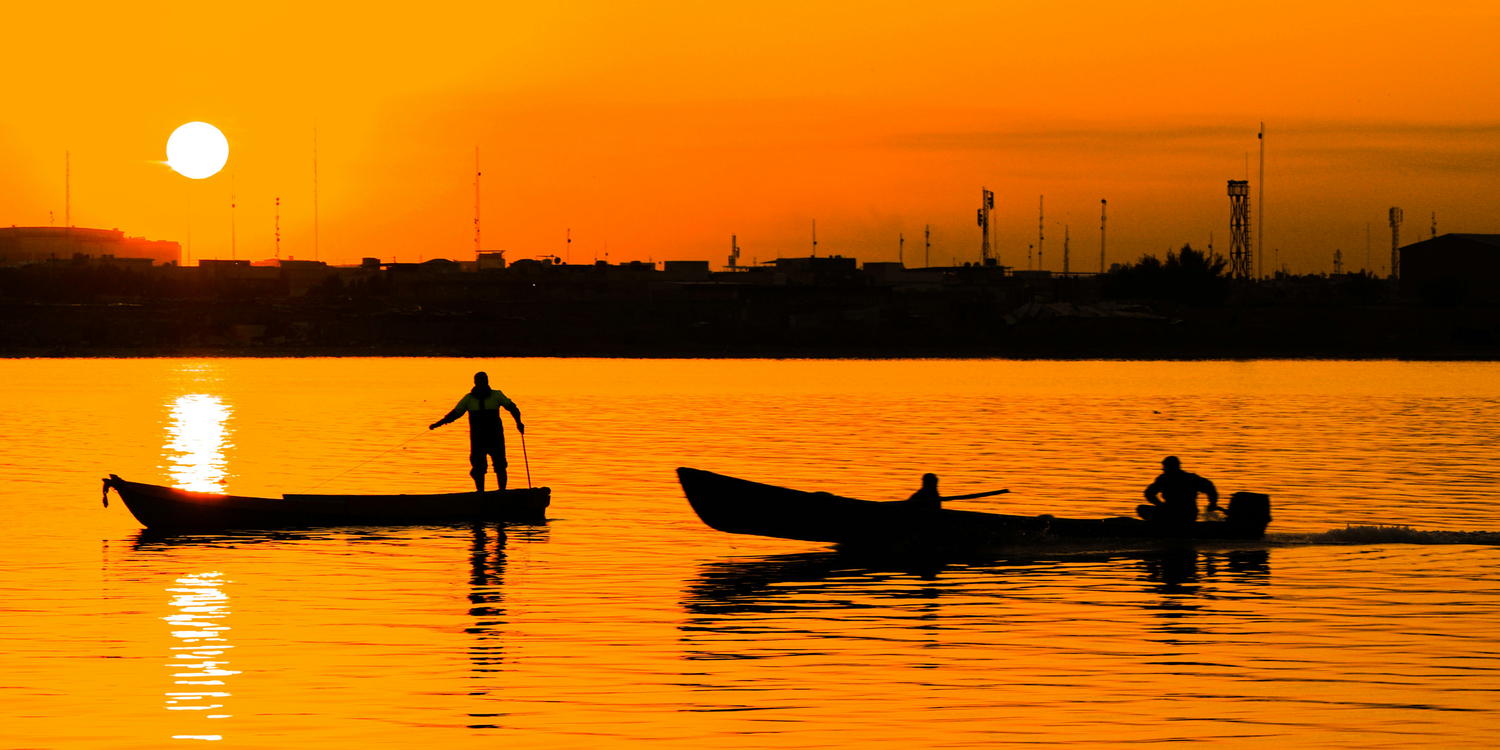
1352,534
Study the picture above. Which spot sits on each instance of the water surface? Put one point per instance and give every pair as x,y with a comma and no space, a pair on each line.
624,620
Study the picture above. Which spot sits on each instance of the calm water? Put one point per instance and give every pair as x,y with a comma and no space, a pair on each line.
625,621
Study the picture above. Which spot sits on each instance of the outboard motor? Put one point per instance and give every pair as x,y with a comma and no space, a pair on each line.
1250,511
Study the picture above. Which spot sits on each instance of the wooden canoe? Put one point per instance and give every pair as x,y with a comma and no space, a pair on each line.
739,506
166,508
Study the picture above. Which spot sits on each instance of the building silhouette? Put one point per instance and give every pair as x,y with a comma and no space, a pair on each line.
1452,269
19,245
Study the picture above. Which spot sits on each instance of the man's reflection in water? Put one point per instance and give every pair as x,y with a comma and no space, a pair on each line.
1178,571
486,600
1182,578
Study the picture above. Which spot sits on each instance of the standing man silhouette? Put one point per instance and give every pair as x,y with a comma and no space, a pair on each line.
486,435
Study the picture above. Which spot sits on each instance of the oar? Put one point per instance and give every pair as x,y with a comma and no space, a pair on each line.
971,496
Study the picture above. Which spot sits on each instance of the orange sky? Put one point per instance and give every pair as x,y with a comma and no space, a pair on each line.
656,130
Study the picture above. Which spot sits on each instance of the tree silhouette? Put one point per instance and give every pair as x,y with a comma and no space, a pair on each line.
1188,276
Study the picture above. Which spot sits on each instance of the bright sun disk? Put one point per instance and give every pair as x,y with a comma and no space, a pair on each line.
197,150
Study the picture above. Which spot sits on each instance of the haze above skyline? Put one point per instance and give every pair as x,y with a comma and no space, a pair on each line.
657,130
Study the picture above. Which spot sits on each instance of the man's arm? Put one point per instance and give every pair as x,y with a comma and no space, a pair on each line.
1152,490
458,411
1208,488
515,411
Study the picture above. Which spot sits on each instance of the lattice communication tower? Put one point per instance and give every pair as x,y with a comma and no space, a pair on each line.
1239,229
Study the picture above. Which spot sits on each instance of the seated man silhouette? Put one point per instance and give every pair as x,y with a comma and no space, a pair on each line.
1173,497
927,498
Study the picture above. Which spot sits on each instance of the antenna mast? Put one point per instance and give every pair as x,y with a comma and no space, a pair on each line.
477,175
734,251
1065,248
316,243
815,238
901,249
1396,215
1260,203
1103,204
927,245
233,229
278,227
986,205
1041,220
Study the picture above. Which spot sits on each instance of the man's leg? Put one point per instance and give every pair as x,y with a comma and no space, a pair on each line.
500,467
476,467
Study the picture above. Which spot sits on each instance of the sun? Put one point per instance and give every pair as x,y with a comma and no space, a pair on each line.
197,150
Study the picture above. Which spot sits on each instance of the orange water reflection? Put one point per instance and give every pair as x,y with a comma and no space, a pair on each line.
196,441
633,623
199,658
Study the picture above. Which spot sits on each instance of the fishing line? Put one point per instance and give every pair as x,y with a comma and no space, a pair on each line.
368,460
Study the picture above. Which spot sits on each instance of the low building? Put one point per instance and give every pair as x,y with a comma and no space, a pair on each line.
1452,269
686,270
22,245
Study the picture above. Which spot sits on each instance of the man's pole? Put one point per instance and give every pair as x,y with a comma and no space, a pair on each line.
526,459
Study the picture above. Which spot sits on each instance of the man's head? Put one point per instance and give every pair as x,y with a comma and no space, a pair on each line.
1170,463
929,481
482,379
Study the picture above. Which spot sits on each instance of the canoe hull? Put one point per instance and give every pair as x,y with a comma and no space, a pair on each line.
167,508
739,506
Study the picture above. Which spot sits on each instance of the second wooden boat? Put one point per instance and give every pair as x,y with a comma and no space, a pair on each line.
740,506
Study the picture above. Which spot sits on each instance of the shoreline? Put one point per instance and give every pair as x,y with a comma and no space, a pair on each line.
272,352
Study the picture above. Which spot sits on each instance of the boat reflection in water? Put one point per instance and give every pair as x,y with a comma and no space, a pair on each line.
199,663
201,604
734,606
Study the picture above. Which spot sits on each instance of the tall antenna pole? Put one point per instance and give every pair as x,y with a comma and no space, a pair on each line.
1103,204
1041,220
278,227
986,205
233,229
68,188
568,247
1396,215
1434,224
927,245
1065,249
901,248
316,243
1260,202
815,238
477,175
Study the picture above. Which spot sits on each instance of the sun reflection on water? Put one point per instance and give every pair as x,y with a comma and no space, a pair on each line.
199,664
197,438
